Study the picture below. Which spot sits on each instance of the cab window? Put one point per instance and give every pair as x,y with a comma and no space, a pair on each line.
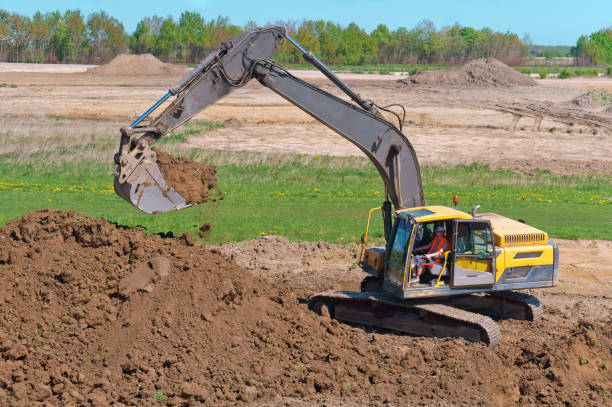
474,238
397,257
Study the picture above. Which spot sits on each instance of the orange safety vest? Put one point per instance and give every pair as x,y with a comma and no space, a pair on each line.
440,243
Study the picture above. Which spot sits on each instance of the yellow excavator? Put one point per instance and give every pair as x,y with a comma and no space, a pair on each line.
454,289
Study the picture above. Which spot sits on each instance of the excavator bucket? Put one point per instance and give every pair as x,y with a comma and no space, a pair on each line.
138,178
140,182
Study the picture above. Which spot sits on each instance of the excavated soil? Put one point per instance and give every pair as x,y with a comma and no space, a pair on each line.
194,181
280,261
95,314
131,64
475,73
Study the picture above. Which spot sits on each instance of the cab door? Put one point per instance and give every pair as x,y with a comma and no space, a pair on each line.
473,253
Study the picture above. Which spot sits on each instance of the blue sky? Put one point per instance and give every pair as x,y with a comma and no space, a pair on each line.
557,22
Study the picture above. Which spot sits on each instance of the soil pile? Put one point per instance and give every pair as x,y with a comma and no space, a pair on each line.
95,314
278,260
593,99
194,181
475,73
137,65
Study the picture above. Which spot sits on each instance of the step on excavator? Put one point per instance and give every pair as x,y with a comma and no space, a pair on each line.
461,292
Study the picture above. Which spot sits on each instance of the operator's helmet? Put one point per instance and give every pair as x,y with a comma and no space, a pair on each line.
439,228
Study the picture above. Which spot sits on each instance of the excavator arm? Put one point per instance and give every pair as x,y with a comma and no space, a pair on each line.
247,56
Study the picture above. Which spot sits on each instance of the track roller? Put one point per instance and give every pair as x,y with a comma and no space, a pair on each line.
500,305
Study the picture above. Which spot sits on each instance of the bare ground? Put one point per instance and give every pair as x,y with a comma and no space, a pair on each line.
95,314
496,126
584,295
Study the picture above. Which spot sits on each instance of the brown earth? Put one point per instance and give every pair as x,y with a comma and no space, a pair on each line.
475,73
131,64
95,314
280,261
193,180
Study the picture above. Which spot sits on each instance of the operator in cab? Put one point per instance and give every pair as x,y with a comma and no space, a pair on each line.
435,252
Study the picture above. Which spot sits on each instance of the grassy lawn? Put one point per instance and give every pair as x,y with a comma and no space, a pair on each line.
316,199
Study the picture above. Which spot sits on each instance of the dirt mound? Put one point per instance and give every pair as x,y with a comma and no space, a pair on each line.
196,182
278,260
593,99
475,73
137,65
232,123
95,314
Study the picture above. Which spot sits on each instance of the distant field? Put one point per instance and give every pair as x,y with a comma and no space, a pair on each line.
383,69
61,163
566,70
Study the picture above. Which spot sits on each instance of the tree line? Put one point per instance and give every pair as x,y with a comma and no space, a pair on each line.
594,49
71,37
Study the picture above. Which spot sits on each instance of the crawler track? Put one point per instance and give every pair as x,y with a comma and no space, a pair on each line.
532,308
380,310
465,316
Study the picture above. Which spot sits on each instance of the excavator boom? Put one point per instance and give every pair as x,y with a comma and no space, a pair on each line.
232,65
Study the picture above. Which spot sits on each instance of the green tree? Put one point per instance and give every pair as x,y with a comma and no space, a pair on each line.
382,36
106,35
168,39
60,42
470,38
40,36
20,32
5,33
192,31
76,32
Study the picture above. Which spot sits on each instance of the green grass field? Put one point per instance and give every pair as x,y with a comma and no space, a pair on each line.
314,201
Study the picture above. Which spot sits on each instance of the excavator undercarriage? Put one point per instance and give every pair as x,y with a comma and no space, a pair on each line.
465,316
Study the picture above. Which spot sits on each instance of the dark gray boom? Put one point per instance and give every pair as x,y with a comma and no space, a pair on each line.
232,65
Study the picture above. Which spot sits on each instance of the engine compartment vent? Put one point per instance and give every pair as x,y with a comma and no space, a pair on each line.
520,239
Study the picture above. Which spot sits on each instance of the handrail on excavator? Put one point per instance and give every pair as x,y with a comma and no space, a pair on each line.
365,235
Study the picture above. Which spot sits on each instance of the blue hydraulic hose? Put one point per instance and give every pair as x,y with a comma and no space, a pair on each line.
295,43
145,114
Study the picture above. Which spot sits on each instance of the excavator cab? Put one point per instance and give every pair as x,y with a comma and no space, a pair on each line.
470,260
485,254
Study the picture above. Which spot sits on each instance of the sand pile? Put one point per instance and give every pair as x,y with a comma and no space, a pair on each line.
195,181
137,65
475,73
95,314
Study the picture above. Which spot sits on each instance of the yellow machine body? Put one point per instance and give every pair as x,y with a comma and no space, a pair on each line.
520,250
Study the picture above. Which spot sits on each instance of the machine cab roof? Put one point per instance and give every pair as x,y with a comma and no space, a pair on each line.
433,213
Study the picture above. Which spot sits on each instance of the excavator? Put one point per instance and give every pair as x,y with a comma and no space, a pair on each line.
472,283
